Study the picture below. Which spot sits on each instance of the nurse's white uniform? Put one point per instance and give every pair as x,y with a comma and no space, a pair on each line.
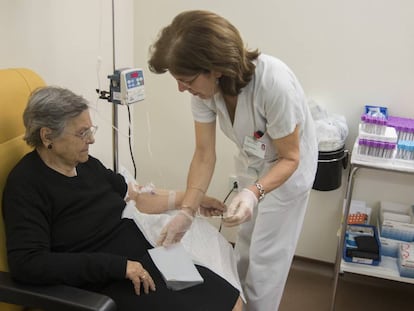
273,103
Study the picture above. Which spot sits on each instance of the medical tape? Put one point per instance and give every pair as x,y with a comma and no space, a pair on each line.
171,200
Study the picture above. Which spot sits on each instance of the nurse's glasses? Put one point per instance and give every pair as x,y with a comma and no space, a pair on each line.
188,83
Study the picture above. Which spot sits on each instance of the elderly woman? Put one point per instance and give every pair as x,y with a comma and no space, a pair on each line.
63,210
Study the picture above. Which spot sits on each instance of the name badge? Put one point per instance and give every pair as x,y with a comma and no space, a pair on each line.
254,146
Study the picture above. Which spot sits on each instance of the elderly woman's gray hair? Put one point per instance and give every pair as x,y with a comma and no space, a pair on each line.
50,107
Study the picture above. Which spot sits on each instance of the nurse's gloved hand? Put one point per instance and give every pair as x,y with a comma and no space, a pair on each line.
176,228
240,208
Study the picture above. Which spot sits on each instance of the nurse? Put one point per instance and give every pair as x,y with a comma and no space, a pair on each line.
262,108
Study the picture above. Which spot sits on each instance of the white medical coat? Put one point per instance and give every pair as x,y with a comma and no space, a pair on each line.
273,103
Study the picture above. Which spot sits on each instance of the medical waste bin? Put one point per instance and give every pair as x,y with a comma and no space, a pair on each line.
330,166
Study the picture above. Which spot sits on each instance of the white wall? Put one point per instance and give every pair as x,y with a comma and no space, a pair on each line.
346,54
69,43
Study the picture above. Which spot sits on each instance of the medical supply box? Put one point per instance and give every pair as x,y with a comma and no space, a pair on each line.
359,213
396,221
405,260
362,245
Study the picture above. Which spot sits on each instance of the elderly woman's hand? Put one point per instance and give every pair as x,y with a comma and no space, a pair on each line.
139,277
212,207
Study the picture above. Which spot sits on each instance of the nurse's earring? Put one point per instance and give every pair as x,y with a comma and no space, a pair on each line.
216,86
49,146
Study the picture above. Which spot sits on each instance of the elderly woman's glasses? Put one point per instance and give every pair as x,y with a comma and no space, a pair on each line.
86,134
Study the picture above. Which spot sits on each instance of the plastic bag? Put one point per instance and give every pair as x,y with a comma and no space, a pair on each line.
331,129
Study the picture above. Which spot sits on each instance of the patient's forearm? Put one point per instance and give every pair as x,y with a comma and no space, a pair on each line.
160,201
157,202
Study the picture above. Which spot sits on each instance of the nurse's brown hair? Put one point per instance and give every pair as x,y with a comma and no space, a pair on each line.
202,41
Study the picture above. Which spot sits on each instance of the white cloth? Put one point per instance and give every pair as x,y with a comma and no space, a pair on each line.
273,103
203,242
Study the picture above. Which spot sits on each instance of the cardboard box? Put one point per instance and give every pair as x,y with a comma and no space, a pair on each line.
389,247
406,260
396,221
359,213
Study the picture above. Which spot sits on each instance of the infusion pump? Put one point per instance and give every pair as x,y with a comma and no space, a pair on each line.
127,86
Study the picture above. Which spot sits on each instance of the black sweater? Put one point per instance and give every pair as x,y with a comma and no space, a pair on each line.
56,226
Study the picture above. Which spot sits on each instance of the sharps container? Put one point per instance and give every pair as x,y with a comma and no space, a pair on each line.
330,166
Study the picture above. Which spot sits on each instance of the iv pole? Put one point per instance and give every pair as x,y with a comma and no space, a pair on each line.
114,105
135,83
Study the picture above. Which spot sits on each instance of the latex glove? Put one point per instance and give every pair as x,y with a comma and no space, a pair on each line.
211,207
176,228
240,208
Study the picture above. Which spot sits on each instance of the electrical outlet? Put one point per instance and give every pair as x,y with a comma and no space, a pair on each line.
232,181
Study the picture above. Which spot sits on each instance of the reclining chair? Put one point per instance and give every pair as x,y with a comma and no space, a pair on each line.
15,88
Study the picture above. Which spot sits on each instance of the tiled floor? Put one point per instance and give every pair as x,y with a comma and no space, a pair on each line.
310,286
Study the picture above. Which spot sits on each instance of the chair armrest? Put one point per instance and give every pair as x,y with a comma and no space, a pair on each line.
56,297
